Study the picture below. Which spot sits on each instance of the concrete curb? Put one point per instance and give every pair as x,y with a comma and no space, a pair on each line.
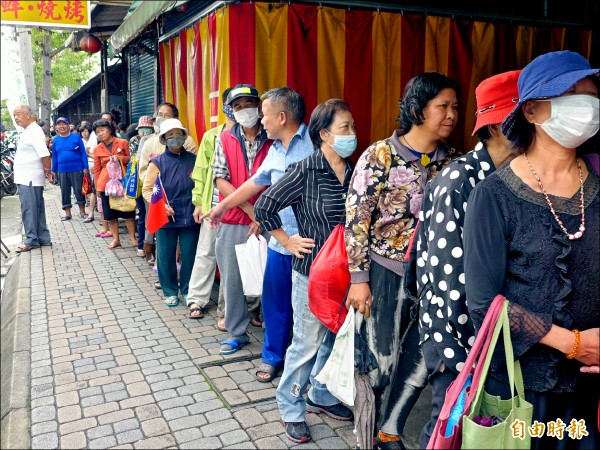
16,356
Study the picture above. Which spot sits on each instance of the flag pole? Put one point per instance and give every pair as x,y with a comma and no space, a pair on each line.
165,194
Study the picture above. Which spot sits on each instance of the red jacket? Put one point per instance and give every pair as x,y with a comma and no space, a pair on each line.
233,148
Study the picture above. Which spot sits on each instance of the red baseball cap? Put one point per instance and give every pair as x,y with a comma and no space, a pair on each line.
496,97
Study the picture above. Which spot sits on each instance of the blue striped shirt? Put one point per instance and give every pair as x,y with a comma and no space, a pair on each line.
273,168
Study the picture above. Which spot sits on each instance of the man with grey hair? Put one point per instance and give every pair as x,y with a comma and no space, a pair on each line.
32,164
283,115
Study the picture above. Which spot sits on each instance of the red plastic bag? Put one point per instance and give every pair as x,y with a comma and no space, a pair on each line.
86,185
329,281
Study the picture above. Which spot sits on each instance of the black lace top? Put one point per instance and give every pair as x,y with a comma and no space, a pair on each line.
514,246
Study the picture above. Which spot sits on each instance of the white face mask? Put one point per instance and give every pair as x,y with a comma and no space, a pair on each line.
246,117
157,123
573,120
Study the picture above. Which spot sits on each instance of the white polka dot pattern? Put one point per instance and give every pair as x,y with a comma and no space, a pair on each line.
443,314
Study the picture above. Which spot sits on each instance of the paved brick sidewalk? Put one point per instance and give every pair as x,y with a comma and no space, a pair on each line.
112,366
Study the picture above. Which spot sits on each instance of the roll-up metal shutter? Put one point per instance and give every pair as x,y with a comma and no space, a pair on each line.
142,80
174,20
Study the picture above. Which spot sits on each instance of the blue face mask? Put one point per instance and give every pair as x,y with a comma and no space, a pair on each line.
343,145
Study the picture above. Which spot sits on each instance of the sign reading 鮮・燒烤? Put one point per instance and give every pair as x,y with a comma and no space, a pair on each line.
46,14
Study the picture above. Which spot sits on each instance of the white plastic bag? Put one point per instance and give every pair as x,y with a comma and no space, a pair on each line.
252,259
338,371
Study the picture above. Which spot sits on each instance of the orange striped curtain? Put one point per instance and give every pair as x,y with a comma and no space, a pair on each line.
365,57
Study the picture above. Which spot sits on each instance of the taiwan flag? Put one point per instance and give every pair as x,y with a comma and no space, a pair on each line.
157,214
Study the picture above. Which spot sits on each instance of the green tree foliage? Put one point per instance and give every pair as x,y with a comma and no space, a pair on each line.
5,116
69,69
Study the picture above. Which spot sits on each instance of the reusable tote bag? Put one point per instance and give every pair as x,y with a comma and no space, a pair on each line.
500,435
252,260
449,435
124,203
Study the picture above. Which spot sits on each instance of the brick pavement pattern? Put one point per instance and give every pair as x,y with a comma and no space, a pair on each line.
113,367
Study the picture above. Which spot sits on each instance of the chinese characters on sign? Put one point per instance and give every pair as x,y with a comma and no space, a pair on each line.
47,14
556,428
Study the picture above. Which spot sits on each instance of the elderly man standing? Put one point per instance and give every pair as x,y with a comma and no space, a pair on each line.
32,161
239,152
283,116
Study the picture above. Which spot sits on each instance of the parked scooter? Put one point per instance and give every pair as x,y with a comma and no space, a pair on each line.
7,175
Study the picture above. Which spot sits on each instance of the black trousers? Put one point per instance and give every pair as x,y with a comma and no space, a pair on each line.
440,381
71,181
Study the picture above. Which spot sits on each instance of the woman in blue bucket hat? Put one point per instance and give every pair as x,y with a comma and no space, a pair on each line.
531,233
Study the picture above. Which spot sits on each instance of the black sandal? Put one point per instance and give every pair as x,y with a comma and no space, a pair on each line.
194,309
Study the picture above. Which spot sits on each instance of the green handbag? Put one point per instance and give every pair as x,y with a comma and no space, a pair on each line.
512,433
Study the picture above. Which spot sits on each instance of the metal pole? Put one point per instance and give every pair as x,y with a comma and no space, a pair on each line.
104,70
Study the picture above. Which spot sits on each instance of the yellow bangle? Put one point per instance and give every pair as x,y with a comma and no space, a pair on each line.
575,350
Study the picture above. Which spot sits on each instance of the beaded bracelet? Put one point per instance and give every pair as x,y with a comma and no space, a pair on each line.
575,346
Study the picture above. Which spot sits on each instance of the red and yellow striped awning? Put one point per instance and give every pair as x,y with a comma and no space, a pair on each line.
365,57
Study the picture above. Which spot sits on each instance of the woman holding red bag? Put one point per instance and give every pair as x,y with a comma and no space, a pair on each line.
384,201
316,189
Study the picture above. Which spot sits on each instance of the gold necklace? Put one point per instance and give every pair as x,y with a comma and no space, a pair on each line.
581,230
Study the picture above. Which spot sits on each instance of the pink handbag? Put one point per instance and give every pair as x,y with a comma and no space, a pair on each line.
478,355
114,186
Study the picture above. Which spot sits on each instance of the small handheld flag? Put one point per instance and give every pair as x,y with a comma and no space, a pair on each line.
157,214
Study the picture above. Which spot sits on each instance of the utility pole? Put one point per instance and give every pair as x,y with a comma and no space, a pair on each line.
24,39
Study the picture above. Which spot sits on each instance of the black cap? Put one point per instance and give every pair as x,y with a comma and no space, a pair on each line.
242,90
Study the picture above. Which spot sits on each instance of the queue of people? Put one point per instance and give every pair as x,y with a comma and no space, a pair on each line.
432,235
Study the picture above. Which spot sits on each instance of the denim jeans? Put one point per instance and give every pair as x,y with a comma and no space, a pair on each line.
141,224
306,356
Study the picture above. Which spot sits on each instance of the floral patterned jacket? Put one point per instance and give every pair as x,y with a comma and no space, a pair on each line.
384,201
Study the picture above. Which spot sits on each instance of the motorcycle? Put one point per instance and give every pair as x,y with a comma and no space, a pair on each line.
7,175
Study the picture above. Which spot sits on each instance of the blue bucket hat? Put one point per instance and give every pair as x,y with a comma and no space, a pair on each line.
548,76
